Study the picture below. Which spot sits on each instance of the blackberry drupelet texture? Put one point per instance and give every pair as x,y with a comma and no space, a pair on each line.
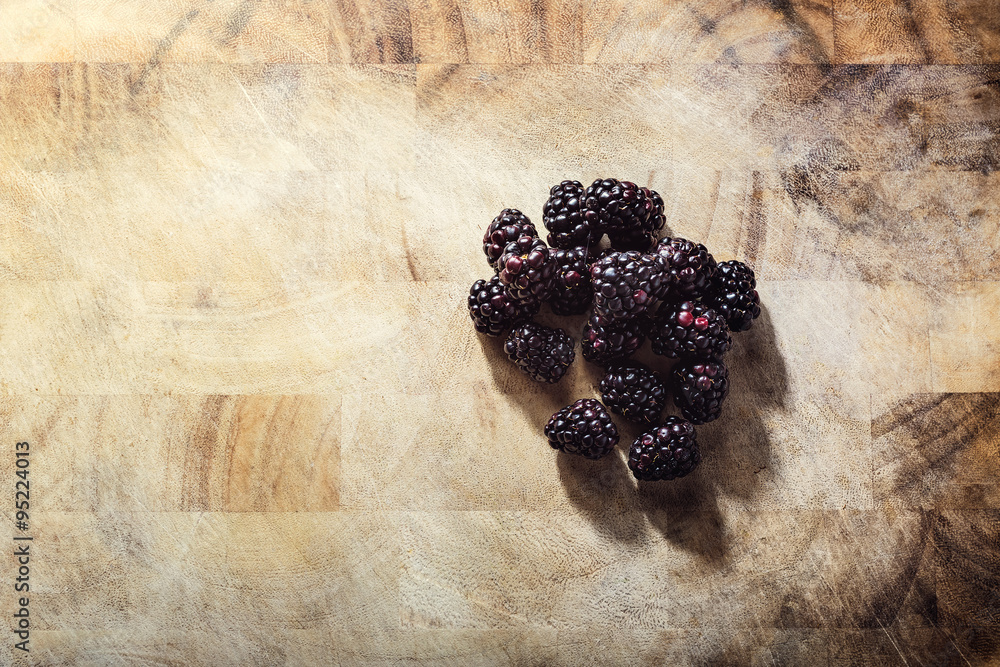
583,428
616,207
542,353
657,221
634,392
635,239
566,219
699,387
627,283
733,294
668,451
507,227
690,264
527,269
572,292
606,340
643,238
494,310
671,290
689,329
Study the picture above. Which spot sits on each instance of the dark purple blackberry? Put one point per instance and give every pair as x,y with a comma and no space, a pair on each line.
689,329
734,295
627,283
494,310
615,206
565,217
699,388
584,428
634,239
691,267
572,291
542,353
634,392
642,239
668,451
657,221
605,341
509,226
527,269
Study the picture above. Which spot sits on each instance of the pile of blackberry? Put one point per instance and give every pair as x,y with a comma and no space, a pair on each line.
633,287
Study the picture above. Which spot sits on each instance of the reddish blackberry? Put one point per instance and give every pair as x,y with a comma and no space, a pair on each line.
542,353
564,216
584,428
619,206
527,269
699,388
493,310
634,392
666,452
605,340
572,291
691,266
733,294
509,226
627,283
690,329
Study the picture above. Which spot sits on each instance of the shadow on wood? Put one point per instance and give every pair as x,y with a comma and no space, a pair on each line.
603,492
735,449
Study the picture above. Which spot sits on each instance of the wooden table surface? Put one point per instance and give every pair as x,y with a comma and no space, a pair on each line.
236,239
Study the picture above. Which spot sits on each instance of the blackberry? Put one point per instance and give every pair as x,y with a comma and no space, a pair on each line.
509,226
605,340
542,353
615,206
657,221
627,283
634,239
565,217
668,451
634,392
644,238
733,294
494,310
583,428
691,266
527,269
690,329
572,292
699,388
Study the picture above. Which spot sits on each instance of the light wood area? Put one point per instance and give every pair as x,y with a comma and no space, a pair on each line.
236,241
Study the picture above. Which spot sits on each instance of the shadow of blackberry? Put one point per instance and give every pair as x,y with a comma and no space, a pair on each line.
603,492
686,513
735,448
537,400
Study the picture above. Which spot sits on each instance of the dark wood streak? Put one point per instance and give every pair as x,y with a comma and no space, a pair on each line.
240,18
161,50
967,560
538,14
454,19
788,12
915,28
930,435
410,262
756,222
198,457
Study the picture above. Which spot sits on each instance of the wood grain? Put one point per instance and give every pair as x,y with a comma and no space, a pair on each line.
235,244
